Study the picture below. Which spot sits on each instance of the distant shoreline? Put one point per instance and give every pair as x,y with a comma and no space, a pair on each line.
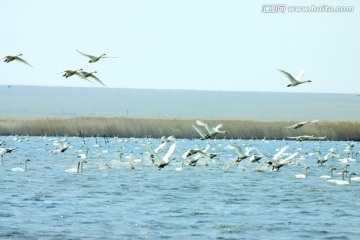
180,128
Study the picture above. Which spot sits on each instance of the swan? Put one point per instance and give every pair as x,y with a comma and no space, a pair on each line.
179,169
240,154
69,73
322,159
331,173
300,124
91,75
302,175
294,82
343,181
306,137
78,169
83,155
16,57
211,131
157,160
19,169
94,58
62,146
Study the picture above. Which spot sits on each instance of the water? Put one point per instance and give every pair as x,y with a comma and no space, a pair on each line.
208,201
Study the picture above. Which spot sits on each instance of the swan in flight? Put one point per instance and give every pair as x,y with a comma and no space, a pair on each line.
91,75
157,160
16,57
211,131
302,175
94,58
322,159
62,146
240,154
294,82
300,124
69,73
19,169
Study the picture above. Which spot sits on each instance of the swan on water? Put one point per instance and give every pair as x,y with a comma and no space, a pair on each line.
294,82
17,58
302,175
342,181
94,58
331,173
20,169
211,131
78,169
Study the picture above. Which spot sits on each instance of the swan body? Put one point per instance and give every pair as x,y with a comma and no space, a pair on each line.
17,58
211,131
322,159
300,124
331,173
294,82
19,169
302,175
91,75
240,154
306,137
343,181
94,58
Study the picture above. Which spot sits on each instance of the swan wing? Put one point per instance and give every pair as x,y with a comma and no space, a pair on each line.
289,76
280,152
201,132
23,61
161,146
169,152
301,74
207,125
97,79
155,156
86,55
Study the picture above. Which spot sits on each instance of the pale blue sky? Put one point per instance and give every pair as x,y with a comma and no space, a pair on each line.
181,44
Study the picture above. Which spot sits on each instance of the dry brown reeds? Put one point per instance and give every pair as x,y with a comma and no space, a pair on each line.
128,127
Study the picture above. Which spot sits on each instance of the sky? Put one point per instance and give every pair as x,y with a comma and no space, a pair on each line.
228,45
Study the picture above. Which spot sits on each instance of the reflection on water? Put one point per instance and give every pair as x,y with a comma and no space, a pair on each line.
214,199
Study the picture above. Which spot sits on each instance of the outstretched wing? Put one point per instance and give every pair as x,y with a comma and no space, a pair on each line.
86,55
201,132
207,125
301,74
289,76
98,80
23,61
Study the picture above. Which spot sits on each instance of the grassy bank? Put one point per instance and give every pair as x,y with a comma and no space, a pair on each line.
127,127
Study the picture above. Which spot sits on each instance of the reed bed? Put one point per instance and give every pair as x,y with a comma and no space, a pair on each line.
134,127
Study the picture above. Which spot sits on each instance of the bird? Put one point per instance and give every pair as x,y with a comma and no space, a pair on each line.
331,173
302,175
78,169
343,181
306,137
322,159
94,58
16,57
69,73
157,160
62,146
91,75
240,154
19,169
211,131
294,82
300,124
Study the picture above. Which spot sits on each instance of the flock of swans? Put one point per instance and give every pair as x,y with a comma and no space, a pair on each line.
92,59
210,150
68,73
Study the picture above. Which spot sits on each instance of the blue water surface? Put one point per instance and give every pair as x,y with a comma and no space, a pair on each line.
216,199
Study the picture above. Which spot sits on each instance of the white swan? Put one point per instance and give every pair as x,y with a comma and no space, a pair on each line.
331,174
302,175
211,131
69,73
306,137
300,124
322,159
157,160
91,75
94,58
240,154
19,169
342,181
78,169
294,82
17,58
83,155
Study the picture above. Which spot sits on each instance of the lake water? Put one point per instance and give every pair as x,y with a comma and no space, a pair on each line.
207,201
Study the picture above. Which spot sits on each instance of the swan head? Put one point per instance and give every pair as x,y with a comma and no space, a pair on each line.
309,81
